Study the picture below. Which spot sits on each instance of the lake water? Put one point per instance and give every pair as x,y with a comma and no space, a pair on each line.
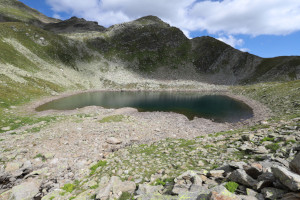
218,108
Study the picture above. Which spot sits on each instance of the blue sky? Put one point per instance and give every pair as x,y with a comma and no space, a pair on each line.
266,28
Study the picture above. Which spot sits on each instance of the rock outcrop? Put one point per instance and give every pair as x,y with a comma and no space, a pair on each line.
74,25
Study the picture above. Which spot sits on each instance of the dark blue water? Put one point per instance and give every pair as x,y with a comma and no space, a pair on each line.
215,107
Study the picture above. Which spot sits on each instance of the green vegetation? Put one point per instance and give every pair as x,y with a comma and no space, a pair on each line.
231,186
281,98
273,147
267,139
41,156
126,196
96,166
69,187
159,182
113,118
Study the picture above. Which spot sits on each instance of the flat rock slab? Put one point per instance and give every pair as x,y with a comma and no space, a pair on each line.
287,178
240,176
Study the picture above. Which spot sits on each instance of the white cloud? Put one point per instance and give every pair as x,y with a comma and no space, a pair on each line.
57,16
229,17
245,50
232,41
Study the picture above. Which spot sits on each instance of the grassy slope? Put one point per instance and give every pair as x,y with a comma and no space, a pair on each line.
14,10
281,97
56,49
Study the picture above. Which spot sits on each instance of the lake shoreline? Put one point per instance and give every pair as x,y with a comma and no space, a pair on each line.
260,111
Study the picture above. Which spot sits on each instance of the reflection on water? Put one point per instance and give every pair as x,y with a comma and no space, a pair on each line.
216,107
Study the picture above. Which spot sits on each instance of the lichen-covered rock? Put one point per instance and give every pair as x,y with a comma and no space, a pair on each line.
272,193
287,178
221,193
25,191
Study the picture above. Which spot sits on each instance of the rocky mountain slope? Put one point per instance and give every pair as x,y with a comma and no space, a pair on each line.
152,48
97,153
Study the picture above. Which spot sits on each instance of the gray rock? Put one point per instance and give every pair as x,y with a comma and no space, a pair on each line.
272,193
251,192
216,173
263,184
268,176
181,188
53,195
25,191
113,140
237,165
282,161
149,189
244,197
116,187
13,166
220,192
156,196
261,150
240,176
184,182
254,170
295,164
227,169
193,196
126,186
287,178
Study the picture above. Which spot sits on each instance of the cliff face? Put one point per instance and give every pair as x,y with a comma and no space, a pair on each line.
153,48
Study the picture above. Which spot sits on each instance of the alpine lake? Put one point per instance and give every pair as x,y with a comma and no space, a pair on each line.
218,108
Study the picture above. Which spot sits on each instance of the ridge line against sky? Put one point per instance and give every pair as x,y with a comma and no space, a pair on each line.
266,28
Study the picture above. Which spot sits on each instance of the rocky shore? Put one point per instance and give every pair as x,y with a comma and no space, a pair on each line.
98,155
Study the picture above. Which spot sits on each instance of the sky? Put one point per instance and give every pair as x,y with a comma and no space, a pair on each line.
267,28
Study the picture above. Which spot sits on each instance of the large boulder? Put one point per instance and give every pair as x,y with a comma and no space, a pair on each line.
25,191
240,176
295,164
187,181
287,178
148,189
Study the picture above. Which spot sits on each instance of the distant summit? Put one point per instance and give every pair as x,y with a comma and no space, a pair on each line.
74,25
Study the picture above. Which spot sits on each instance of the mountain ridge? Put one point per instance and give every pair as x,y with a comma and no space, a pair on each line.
148,46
